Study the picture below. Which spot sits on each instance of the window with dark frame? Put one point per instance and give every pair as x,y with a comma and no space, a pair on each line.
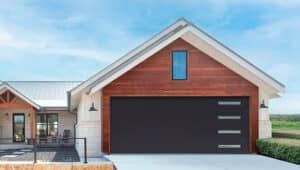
47,124
179,65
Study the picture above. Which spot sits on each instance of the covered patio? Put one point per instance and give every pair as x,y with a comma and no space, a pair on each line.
58,154
17,119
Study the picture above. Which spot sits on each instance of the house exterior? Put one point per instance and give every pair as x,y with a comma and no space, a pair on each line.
181,91
34,109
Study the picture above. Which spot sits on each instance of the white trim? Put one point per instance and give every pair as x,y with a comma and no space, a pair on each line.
23,97
137,61
92,79
238,59
181,28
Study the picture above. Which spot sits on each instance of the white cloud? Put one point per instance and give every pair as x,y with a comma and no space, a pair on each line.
5,37
100,55
271,45
285,72
55,32
276,29
278,3
283,3
288,104
44,44
69,20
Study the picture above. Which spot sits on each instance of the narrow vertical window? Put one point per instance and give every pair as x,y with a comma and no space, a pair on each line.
179,65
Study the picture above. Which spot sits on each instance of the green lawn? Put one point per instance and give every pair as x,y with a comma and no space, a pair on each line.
285,122
286,126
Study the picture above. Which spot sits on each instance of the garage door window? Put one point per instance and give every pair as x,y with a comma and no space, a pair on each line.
179,65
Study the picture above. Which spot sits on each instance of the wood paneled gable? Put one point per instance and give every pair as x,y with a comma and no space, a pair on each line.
206,77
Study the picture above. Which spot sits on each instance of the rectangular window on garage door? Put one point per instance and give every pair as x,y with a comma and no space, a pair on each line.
179,65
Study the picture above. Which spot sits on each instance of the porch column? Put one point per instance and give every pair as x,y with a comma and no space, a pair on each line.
33,123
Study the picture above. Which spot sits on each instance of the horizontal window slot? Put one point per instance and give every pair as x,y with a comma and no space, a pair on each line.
229,103
229,146
229,132
229,117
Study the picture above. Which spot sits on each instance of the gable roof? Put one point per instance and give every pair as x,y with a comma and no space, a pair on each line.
42,94
5,86
195,36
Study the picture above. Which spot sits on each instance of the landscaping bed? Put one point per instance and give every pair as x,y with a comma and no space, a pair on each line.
280,148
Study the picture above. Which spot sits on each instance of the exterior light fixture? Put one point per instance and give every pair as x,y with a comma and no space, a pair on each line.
262,105
92,108
29,115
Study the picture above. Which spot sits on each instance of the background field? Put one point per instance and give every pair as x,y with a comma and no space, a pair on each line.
285,122
286,126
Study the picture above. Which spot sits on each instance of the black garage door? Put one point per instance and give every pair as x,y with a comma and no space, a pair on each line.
179,124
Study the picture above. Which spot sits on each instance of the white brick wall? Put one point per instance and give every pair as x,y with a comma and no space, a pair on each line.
264,124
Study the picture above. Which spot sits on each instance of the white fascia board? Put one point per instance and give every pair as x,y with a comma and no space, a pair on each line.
142,57
231,55
32,103
94,78
227,54
141,53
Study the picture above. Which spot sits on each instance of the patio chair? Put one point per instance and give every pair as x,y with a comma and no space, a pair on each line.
66,137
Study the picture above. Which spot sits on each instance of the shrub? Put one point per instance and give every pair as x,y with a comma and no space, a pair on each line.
280,148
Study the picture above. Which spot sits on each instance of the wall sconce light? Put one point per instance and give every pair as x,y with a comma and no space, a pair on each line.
92,108
29,115
6,114
262,105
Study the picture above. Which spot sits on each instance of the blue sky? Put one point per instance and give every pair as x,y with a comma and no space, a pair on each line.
71,40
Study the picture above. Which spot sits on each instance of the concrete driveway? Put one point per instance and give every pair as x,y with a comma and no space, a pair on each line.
198,162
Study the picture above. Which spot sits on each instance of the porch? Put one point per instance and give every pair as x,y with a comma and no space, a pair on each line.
21,122
54,154
17,121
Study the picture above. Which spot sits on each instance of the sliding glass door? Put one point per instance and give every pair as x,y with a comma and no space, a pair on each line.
47,124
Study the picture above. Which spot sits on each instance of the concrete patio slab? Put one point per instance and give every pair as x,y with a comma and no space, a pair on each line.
64,154
198,161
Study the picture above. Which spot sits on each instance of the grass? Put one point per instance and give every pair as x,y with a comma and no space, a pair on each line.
286,126
285,122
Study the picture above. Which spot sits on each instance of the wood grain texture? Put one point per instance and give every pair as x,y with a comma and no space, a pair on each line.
32,123
206,77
